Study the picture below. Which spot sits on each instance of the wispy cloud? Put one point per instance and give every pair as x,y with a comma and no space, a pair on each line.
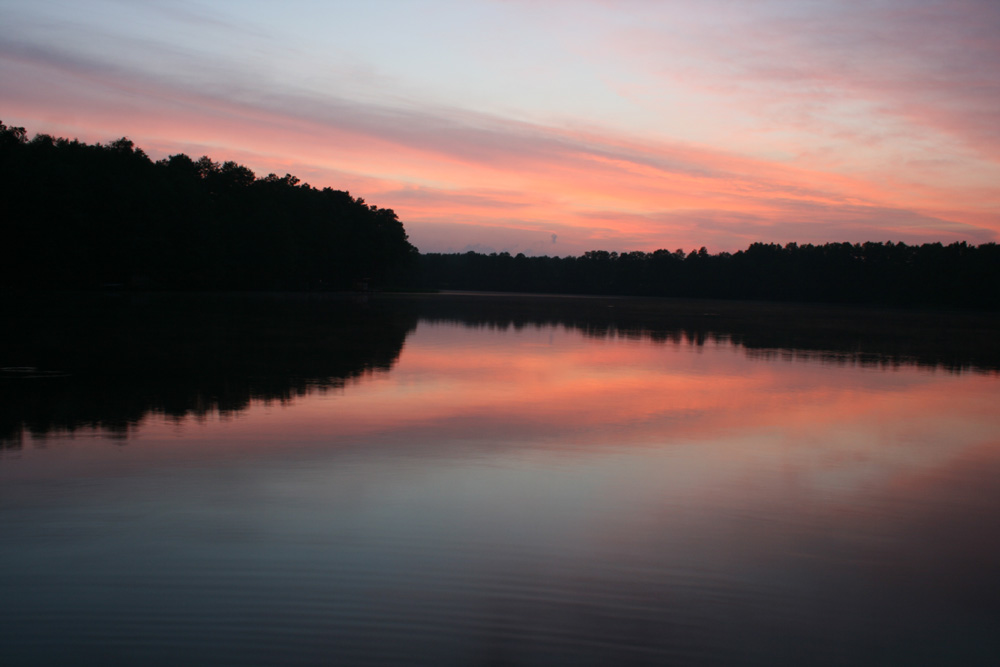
840,69
850,123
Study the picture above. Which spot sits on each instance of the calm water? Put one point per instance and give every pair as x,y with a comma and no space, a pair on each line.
536,483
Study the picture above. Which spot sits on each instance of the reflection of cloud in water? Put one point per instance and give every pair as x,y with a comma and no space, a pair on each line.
537,492
198,356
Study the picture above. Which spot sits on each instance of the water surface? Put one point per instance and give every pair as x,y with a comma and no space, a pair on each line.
546,482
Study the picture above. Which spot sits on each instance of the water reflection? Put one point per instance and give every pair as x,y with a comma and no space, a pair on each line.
101,362
549,488
106,362
952,340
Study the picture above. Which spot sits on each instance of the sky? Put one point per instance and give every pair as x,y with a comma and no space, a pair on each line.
557,127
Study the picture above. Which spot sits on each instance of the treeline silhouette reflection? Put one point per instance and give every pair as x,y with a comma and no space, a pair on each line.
99,361
952,340
106,362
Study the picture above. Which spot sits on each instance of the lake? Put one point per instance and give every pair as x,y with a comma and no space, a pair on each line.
492,479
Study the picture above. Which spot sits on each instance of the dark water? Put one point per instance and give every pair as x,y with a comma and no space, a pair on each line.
451,480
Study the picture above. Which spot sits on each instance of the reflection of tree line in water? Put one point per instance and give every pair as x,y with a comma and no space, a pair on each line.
955,341
118,360
115,360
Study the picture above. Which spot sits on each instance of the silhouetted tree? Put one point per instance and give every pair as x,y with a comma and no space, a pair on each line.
84,216
959,274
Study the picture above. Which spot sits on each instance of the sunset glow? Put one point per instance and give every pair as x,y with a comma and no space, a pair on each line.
577,394
552,128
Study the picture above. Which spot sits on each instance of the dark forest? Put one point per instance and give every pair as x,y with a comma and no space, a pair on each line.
79,216
932,274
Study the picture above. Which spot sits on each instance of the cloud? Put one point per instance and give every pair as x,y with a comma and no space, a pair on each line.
849,69
845,130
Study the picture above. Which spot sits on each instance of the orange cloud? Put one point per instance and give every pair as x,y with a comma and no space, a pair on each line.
452,174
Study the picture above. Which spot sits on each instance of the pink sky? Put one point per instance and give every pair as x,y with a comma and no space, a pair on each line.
555,128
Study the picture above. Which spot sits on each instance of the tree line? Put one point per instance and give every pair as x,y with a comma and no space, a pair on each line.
80,216
959,274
